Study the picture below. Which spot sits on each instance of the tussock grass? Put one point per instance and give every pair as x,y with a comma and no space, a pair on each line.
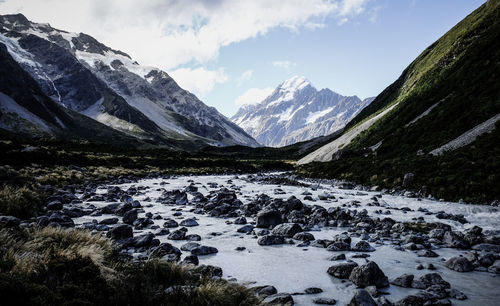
70,266
19,202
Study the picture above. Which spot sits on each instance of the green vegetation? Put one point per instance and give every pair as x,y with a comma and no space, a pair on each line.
74,267
459,73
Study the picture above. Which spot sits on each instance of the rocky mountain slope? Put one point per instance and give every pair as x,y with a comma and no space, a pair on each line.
439,120
92,79
296,111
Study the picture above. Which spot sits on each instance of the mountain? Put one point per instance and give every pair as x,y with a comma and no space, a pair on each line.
438,120
107,85
296,111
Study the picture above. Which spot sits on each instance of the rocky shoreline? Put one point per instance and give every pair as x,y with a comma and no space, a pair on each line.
152,219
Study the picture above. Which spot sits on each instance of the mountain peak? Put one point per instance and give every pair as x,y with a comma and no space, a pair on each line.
294,83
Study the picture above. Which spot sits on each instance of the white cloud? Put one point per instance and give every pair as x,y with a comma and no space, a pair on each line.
253,96
284,64
169,33
199,80
245,76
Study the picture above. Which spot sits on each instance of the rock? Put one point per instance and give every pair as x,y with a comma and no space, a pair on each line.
429,279
189,222
337,257
286,229
54,205
427,253
404,280
459,264
408,180
362,298
268,218
324,301
303,236
271,240
130,216
204,250
313,290
455,240
281,299
141,241
193,237
363,246
9,221
265,291
121,232
240,220
169,223
191,259
342,270
164,249
179,234
339,246
495,267
209,271
487,247
459,295
369,275
245,229
109,221
188,247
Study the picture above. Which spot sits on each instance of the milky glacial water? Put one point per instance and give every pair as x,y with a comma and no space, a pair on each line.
292,269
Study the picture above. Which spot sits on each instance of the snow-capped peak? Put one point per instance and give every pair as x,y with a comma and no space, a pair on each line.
294,83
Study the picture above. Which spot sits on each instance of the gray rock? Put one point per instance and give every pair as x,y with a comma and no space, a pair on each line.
303,236
339,246
279,299
245,229
271,240
459,264
342,270
268,218
286,229
495,267
313,290
109,221
121,232
456,294
363,246
324,301
204,250
189,222
130,216
369,275
169,223
404,280
429,279
362,298
188,247
265,291
9,221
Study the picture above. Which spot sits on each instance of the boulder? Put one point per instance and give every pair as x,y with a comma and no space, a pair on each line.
324,301
189,222
428,280
459,264
362,298
404,280
245,229
188,247
363,246
268,218
303,236
121,232
204,250
279,299
369,275
130,216
286,229
271,240
9,221
342,270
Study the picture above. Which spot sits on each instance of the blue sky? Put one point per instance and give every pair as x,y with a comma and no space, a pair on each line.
237,50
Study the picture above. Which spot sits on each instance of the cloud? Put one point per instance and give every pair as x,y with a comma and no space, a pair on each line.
245,76
170,33
199,80
253,96
284,64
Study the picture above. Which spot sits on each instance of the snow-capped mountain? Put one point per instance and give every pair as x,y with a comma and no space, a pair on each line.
107,85
296,111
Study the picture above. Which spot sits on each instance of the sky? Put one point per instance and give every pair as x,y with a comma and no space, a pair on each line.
235,52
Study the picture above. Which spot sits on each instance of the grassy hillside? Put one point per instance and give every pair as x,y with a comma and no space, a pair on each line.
460,74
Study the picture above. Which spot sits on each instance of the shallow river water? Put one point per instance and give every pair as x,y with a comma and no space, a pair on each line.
292,269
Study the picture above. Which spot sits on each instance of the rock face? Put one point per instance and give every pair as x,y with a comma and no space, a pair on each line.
296,111
83,75
369,275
